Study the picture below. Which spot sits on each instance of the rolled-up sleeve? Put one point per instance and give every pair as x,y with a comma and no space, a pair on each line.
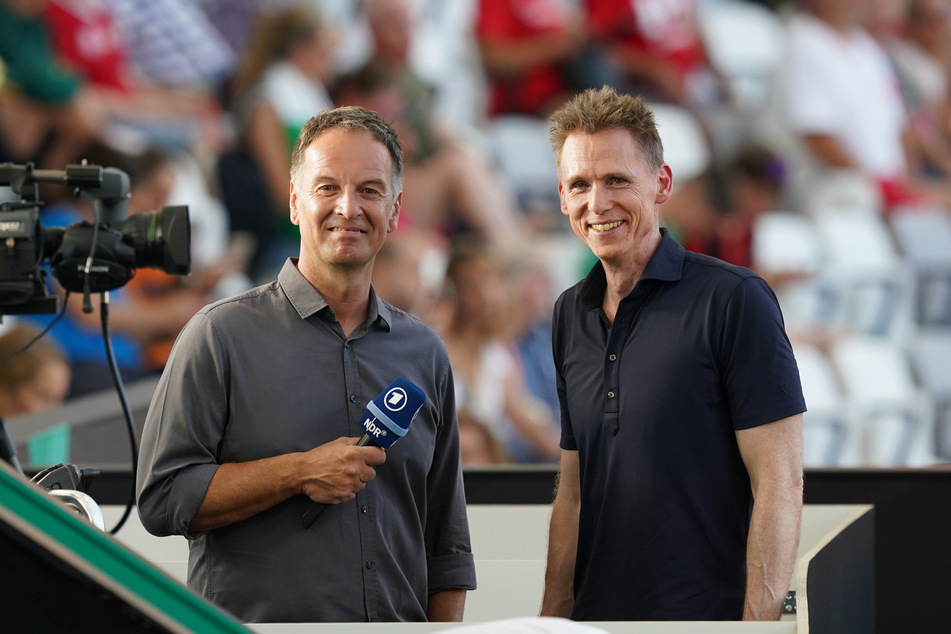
183,431
448,548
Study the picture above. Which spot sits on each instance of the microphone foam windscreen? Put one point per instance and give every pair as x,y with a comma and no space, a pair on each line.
388,416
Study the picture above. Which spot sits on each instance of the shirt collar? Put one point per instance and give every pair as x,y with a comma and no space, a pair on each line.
666,265
379,311
308,301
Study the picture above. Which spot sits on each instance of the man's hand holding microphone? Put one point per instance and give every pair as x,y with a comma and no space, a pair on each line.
340,469
346,464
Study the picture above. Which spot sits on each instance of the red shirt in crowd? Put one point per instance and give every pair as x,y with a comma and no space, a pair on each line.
517,20
665,29
87,40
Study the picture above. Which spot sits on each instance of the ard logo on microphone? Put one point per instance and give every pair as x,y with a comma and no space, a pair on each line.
395,399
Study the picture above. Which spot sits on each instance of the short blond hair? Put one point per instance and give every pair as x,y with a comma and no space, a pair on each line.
596,110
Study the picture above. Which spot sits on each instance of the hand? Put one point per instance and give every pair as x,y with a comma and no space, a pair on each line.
338,470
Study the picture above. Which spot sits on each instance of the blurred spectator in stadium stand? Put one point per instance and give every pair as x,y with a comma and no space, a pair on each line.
147,313
32,379
490,383
657,47
738,191
136,108
409,271
280,83
235,19
691,211
916,35
45,112
536,53
749,184
477,445
172,43
839,95
449,185
532,302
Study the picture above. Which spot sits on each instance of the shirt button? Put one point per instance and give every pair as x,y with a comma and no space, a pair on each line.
364,509
370,565
613,357
353,398
347,345
610,394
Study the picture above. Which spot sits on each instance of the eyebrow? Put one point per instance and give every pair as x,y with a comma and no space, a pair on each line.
588,178
377,182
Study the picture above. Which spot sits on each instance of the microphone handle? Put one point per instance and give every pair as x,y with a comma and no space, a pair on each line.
312,514
317,508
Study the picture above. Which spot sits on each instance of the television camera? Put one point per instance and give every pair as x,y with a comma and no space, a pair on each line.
86,256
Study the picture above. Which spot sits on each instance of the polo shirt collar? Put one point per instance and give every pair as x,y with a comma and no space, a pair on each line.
308,301
666,265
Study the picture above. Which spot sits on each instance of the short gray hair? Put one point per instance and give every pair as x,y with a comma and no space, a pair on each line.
353,118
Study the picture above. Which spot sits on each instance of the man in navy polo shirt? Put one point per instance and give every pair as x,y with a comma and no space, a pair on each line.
680,493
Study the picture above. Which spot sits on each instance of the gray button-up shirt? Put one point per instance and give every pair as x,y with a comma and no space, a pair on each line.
270,372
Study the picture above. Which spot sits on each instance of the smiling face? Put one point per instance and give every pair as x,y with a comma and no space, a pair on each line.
343,199
611,196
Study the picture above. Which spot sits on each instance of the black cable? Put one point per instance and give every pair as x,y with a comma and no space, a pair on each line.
87,271
126,410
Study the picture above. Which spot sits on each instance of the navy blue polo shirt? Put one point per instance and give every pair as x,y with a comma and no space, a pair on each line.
651,403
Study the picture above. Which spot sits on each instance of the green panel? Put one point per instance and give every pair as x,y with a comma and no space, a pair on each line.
118,565
50,446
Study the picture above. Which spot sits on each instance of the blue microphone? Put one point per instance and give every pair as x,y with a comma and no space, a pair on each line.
385,420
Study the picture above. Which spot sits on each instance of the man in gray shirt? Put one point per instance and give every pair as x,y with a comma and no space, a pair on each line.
258,412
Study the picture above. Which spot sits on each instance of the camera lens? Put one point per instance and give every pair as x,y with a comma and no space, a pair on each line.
162,239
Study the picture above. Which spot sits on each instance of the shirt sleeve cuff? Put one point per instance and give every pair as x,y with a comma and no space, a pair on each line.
452,571
188,491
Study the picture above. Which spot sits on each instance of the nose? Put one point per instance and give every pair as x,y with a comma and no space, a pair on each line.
599,199
348,204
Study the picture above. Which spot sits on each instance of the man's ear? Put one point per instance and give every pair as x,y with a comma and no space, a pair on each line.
295,216
395,213
561,198
665,183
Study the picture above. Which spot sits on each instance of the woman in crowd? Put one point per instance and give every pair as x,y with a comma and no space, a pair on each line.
490,383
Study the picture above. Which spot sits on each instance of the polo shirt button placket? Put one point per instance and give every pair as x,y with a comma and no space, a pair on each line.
610,408
611,405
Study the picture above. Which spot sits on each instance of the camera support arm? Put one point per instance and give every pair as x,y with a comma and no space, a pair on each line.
92,182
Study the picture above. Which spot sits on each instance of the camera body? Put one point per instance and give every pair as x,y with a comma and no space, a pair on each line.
85,256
